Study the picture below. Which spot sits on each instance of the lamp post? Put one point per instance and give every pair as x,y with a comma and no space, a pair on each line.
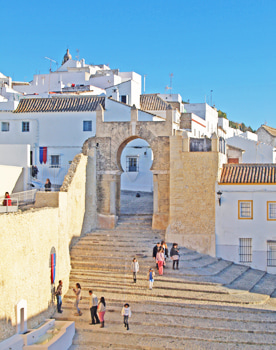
219,193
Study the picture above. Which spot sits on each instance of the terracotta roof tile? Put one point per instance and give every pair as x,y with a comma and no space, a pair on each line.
248,174
152,102
60,104
269,129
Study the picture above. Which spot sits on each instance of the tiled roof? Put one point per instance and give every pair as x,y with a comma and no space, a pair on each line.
152,102
60,104
269,129
248,174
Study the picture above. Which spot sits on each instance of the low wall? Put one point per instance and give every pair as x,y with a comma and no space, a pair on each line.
27,240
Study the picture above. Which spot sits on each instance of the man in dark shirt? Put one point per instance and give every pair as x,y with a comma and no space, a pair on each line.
154,252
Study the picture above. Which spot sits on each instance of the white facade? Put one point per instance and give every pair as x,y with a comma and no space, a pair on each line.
136,161
254,151
205,112
248,241
15,174
61,133
229,132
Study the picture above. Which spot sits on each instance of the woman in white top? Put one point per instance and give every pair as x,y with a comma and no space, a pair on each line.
77,292
134,268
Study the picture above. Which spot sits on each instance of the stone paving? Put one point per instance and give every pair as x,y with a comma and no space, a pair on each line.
208,304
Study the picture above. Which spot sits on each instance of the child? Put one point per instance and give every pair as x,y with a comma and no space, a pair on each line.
150,277
134,268
126,312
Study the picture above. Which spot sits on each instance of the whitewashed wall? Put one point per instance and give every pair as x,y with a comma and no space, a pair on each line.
255,152
229,228
143,179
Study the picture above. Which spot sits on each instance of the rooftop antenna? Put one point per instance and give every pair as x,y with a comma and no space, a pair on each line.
77,55
51,60
211,98
170,87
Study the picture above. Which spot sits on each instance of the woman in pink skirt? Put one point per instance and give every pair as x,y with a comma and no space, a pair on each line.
101,311
160,258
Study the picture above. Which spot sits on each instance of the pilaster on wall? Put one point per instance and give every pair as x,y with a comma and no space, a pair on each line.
193,177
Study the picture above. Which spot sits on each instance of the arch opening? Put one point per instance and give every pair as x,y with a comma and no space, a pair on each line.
135,160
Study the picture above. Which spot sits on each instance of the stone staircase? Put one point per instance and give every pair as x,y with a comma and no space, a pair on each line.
208,303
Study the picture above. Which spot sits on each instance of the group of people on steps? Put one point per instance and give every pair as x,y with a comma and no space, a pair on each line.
97,309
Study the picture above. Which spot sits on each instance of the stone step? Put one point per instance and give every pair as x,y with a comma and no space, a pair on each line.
173,337
113,316
247,280
208,303
140,292
217,312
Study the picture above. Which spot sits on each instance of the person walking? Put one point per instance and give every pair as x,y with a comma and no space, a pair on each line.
174,253
134,268
77,292
101,311
150,277
126,312
160,259
58,296
93,304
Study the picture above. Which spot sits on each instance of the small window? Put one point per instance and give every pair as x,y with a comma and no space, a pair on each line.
87,125
271,253
246,210
271,211
5,126
25,126
132,164
245,249
124,99
55,161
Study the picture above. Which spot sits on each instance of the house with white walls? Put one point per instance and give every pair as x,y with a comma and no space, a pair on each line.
223,124
56,128
267,134
9,98
246,215
254,151
205,112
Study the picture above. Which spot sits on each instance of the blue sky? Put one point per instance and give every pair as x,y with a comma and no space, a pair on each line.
225,46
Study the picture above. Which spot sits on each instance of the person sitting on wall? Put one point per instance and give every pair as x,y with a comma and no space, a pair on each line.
48,185
7,202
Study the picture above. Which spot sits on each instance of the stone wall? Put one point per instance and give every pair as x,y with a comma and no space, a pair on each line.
27,239
193,177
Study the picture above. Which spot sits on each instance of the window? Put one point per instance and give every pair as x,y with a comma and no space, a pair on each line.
132,164
87,125
55,161
246,210
245,249
25,126
271,211
5,126
124,99
271,253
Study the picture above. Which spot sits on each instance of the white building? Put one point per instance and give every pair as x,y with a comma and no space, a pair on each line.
254,150
246,215
267,134
223,124
9,98
206,113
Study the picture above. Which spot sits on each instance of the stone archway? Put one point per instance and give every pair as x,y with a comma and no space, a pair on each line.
106,148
